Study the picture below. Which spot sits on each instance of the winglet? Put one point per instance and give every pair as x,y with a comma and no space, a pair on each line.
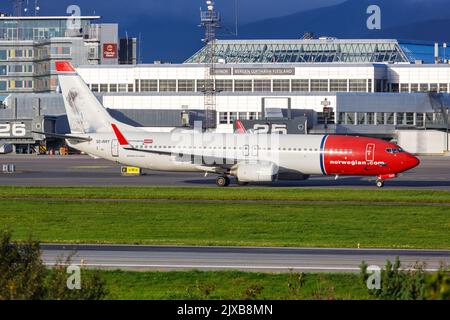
122,140
240,127
64,66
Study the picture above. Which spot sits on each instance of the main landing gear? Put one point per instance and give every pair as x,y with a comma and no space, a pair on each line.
222,181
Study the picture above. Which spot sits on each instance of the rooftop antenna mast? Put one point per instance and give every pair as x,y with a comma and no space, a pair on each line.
37,8
210,20
17,7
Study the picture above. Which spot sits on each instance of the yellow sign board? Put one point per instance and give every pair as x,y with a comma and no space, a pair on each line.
131,171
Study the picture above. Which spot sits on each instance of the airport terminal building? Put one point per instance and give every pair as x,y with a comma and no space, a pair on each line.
386,88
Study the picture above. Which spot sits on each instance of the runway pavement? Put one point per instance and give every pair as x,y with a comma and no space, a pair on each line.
433,173
148,258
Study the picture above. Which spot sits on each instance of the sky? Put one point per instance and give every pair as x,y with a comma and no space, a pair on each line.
169,28
249,10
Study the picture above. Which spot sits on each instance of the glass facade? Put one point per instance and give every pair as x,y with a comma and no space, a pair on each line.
303,51
36,30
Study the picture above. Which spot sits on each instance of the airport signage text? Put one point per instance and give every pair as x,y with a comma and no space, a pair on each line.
253,71
264,71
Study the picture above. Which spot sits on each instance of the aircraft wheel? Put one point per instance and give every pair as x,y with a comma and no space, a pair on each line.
380,183
222,181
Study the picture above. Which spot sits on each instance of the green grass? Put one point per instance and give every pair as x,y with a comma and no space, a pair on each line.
228,224
279,194
229,285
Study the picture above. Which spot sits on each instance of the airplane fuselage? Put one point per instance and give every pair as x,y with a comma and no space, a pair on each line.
295,154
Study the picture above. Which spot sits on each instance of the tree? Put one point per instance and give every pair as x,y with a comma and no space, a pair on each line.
23,276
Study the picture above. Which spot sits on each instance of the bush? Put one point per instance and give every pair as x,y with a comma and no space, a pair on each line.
412,284
23,275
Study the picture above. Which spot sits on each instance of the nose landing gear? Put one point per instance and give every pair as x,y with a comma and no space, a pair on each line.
382,178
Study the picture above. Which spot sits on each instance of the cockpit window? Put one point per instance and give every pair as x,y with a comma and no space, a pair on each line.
394,150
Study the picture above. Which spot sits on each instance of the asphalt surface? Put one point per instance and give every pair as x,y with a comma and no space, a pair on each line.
150,258
433,173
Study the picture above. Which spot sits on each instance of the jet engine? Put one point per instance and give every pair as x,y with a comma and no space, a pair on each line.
256,172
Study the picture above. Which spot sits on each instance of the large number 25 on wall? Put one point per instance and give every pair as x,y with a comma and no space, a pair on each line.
8,130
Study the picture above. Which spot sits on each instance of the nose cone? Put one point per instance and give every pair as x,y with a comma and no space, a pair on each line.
411,162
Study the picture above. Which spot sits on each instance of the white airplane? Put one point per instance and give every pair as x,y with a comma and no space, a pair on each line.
247,157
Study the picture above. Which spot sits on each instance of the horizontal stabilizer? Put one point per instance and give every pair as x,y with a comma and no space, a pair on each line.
63,136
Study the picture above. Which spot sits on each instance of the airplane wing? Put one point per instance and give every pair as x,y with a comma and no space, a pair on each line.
218,161
63,136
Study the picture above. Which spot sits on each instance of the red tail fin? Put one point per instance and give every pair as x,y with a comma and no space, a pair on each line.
240,127
64,66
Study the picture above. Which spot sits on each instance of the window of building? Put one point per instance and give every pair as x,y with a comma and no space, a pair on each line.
414,87
300,85
122,87
148,85
419,119
94,87
137,83
130,87
371,118
243,85
350,118
358,85
404,87
252,115
443,87
202,85
21,84
390,118
338,85
369,85
2,70
281,85
224,85
233,117
20,68
103,87
401,120
409,118
433,87
3,55
423,87
362,117
319,85
380,118
262,85
167,85
113,87
341,118
378,85
186,85
3,85
61,51
395,87
223,117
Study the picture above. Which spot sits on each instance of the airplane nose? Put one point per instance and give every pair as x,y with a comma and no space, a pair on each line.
412,161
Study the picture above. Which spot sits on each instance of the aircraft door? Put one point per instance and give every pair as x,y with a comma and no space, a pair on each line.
246,151
370,152
115,148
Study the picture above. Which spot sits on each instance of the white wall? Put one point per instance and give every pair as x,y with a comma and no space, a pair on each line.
422,141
